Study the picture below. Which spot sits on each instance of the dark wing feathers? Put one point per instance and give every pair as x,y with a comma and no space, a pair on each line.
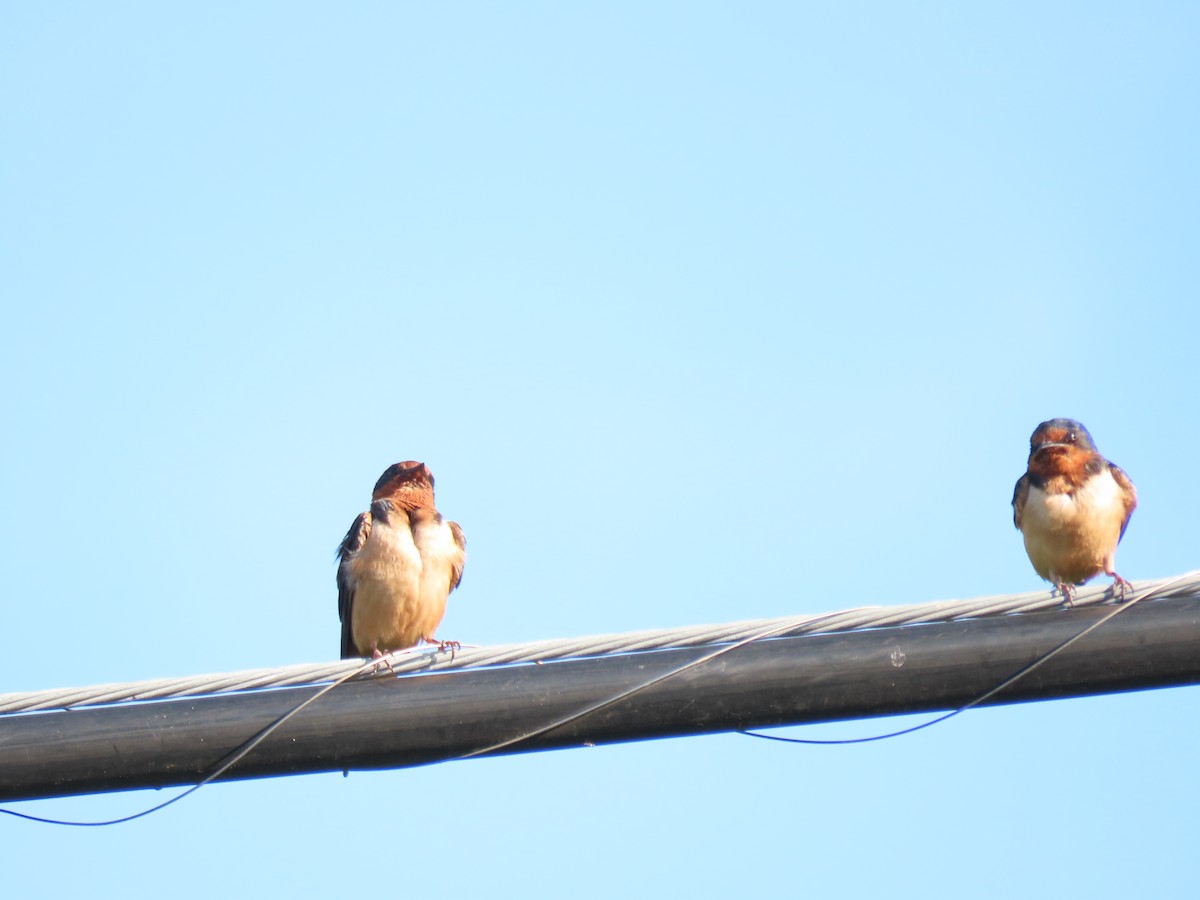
461,540
351,544
1020,495
1128,492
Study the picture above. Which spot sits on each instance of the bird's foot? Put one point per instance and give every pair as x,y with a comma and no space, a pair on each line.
380,658
1067,591
1120,586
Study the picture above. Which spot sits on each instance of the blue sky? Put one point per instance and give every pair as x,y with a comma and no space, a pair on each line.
698,313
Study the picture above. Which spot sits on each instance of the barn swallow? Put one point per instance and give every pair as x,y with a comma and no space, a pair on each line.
397,565
1072,506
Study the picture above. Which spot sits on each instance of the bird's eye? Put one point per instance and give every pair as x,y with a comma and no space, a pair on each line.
1071,437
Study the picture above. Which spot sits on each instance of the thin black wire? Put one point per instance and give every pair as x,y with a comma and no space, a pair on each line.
221,768
1011,680
240,753
237,755
629,692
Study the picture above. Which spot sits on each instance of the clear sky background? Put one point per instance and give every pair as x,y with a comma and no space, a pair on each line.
698,312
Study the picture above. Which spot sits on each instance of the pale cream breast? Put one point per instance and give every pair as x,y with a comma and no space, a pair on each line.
1069,536
440,554
387,578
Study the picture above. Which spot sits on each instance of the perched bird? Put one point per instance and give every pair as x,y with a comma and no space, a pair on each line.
397,565
1072,506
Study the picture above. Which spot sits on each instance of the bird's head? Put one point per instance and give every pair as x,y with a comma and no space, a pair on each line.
1060,447
405,481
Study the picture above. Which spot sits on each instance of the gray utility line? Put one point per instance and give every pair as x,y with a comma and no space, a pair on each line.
430,659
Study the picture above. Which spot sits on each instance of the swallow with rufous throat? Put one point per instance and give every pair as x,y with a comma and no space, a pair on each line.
1072,506
397,565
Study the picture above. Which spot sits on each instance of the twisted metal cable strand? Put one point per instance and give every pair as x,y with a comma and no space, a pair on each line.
431,660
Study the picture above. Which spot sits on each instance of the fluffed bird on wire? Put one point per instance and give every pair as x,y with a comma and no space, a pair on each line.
397,565
1072,506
